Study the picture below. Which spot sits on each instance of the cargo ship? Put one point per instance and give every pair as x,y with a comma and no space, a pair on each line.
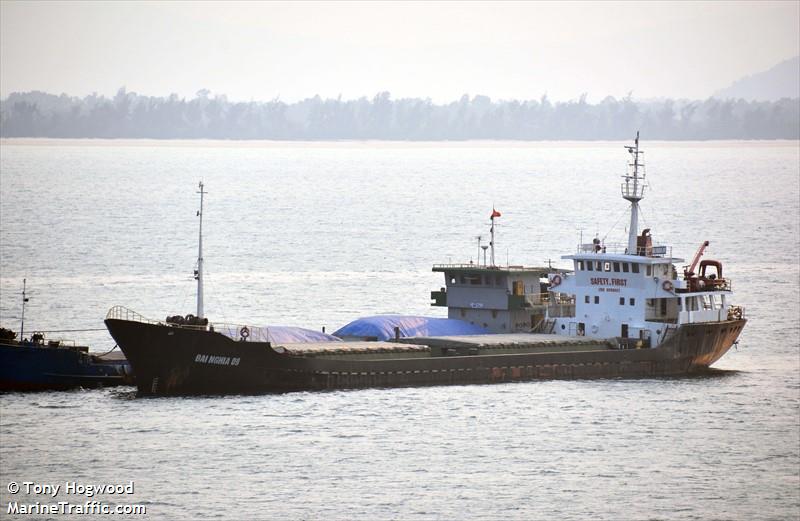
621,311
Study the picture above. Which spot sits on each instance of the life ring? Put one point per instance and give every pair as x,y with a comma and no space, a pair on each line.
244,333
667,285
556,280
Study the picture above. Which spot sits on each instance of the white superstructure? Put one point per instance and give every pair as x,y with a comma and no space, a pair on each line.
632,292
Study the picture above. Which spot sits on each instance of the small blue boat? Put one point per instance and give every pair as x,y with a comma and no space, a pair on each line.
34,365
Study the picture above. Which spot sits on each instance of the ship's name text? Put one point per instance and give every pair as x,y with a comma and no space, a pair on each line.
216,360
604,281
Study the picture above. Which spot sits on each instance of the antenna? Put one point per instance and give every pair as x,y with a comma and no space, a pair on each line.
480,239
198,274
24,300
633,190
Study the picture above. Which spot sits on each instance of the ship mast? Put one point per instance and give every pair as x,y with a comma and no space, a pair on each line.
495,213
198,274
24,300
633,191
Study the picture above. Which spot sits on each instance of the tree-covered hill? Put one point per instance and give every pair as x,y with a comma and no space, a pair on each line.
129,115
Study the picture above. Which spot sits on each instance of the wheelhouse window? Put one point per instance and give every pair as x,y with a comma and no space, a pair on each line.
607,266
616,267
590,266
649,270
624,267
580,265
635,267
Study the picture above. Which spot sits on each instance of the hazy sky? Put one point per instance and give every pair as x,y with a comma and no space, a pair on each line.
439,50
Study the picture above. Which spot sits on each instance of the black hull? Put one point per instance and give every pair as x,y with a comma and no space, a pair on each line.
182,361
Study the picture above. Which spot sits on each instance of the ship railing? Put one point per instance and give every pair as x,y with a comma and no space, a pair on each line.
736,312
123,313
618,248
560,310
241,332
483,266
556,298
702,316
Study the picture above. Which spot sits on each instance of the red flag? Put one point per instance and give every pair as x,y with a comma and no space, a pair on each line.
495,213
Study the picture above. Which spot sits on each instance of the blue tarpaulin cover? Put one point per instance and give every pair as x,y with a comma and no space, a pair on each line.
382,327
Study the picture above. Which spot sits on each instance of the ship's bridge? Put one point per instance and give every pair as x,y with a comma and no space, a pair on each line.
502,299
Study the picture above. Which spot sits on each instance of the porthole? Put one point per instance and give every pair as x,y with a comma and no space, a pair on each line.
563,327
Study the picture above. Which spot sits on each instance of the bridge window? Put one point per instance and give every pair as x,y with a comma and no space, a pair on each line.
624,267
590,266
649,270
607,266
635,267
599,266
580,265
616,267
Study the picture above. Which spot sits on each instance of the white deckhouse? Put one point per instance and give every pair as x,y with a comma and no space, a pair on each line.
632,292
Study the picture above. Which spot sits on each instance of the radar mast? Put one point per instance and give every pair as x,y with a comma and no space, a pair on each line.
633,190
198,274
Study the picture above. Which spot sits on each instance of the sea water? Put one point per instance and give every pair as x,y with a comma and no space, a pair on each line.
318,234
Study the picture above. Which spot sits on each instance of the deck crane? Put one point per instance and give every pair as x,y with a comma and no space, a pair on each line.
688,271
